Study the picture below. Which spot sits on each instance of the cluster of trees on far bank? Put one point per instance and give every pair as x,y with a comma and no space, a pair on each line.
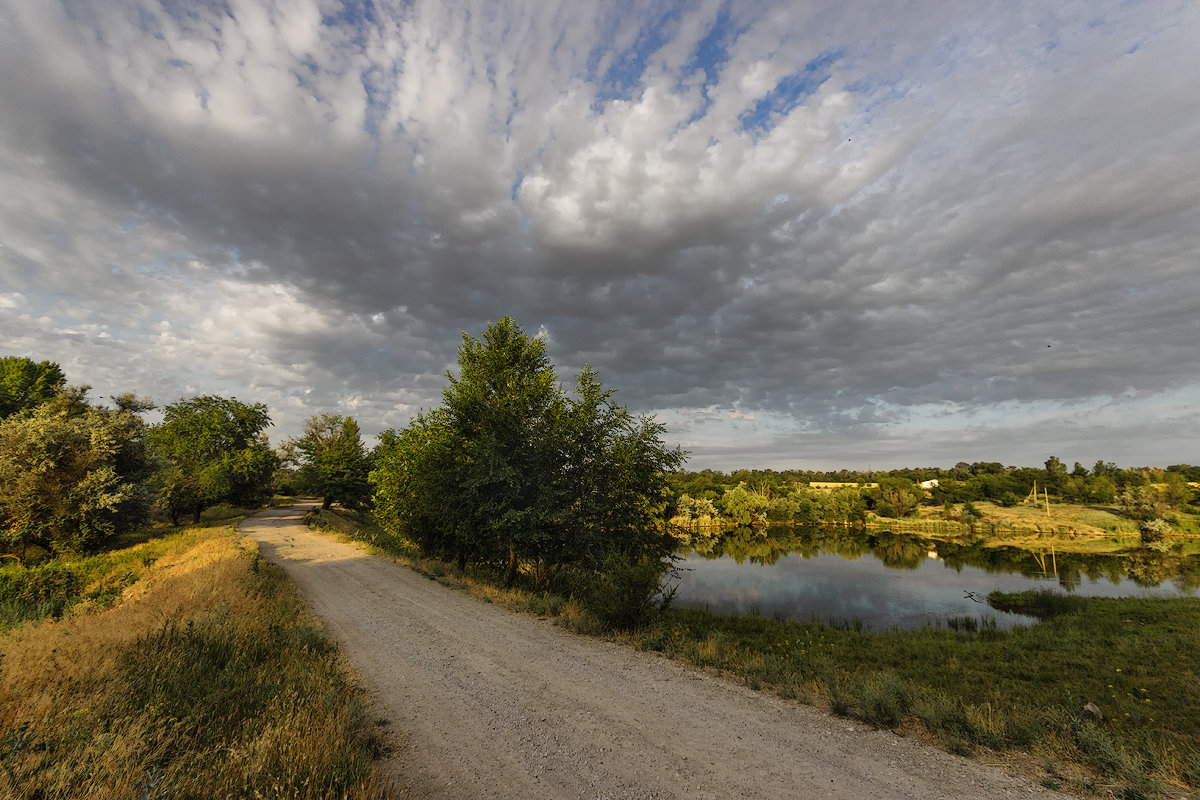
1149,495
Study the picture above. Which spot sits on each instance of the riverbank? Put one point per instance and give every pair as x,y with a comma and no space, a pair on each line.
180,665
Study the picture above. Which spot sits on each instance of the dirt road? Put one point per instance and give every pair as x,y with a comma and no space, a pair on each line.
490,704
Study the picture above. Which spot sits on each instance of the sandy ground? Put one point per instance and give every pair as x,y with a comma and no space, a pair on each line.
485,703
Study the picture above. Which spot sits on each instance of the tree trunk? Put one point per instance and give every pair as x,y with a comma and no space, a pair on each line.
511,574
196,514
326,503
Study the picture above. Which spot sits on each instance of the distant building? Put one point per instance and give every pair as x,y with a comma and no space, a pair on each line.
929,484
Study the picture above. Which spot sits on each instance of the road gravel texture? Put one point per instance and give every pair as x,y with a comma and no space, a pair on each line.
486,703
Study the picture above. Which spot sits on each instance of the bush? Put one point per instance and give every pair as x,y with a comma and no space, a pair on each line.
623,593
1154,530
884,699
1007,500
44,591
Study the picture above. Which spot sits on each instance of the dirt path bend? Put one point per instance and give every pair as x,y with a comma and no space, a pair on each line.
490,704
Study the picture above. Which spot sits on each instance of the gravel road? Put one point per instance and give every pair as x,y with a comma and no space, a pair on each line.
485,703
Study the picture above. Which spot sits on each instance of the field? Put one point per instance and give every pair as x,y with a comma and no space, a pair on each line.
985,691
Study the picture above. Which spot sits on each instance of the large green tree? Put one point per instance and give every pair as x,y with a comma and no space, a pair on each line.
500,455
25,383
73,474
214,450
333,464
513,471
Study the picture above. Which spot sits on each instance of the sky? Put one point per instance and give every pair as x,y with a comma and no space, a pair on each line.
800,234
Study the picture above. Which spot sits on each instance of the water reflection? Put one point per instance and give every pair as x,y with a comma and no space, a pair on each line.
885,580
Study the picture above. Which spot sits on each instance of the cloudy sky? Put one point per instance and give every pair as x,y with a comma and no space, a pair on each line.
803,234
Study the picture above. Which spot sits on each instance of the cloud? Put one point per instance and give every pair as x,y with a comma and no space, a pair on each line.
862,227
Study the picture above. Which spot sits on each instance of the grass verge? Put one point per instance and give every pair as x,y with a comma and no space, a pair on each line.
204,677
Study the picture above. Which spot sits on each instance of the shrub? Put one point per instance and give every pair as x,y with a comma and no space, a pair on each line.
884,699
626,590
1154,530
43,591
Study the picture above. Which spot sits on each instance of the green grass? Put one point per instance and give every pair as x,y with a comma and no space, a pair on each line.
207,677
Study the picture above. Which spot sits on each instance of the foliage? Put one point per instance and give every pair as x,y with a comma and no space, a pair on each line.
624,590
1142,503
46,590
744,507
895,497
1154,530
333,464
514,473
72,474
25,384
695,509
213,450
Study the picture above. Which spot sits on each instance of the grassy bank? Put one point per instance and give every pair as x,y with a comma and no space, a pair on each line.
181,666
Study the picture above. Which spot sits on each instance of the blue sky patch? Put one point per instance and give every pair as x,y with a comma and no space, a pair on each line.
791,91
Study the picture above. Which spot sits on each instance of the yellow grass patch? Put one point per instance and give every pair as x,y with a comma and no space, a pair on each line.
208,678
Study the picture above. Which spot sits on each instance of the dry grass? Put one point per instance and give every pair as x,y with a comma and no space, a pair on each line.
207,678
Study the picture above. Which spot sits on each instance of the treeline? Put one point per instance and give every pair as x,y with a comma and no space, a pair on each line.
512,473
763,495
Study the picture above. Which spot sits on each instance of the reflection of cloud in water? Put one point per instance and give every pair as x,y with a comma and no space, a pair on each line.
828,587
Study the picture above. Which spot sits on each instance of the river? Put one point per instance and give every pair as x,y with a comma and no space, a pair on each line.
879,580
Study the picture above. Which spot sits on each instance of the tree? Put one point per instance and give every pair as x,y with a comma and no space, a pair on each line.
896,497
73,474
333,464
1142,503
25,384
614,481
214,451
1055,478
744,507
511,471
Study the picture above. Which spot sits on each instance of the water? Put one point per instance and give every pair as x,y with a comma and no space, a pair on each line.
884,581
